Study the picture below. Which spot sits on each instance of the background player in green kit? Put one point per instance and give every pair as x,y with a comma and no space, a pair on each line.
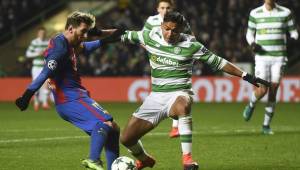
268,26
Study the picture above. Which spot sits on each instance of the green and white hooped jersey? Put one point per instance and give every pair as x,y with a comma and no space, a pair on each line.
171,65
269,28
156,20
34,50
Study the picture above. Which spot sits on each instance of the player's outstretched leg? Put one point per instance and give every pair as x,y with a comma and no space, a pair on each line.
133,131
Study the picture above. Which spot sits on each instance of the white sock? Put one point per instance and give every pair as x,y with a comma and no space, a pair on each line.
138,151
185,131
44,97
36,98
175,123
253,100
269,113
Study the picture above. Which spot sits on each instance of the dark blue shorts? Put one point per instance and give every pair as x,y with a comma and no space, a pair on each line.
84,113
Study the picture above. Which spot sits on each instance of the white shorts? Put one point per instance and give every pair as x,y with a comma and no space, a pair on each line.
270,68
35,71
157,105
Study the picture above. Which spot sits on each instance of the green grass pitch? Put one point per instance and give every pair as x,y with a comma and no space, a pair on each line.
221,141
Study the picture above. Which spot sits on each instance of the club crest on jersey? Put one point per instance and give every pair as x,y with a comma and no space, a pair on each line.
52,64
177,50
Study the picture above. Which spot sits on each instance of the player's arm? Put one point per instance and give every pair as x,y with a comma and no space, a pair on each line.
292,27
250,35
114,36
53,58
218,63
135,37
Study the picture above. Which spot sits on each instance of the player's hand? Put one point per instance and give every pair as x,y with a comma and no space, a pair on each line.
114,37
257,48
94,31
23,101
255,80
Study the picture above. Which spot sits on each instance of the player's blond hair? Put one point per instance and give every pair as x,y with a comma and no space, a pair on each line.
77,17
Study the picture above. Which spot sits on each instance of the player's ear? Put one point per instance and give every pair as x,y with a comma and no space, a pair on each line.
70,29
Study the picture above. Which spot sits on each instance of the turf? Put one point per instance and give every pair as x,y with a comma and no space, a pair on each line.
222,140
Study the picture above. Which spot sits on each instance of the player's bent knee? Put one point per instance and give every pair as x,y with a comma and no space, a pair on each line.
262,90
113,125
182,106
126,140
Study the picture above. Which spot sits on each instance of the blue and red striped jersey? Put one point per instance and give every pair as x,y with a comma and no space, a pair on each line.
61,70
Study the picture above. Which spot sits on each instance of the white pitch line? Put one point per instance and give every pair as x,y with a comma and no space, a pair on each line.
199,132
33,130
41,139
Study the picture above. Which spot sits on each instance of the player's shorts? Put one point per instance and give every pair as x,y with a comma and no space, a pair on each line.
35,71
157,105
84,113
270,68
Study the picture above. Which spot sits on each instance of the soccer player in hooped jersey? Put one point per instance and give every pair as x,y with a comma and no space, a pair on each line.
72,100
162,7
267,29
171,58
35,52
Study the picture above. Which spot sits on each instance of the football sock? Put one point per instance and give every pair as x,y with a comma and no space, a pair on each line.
44,96
175,123
36,98
253,100
269,113
98,139
185,131
138,151
112,149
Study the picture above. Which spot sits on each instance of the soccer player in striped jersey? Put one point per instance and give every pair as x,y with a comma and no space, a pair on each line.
172,54
162,7
268,26
72,100
35,52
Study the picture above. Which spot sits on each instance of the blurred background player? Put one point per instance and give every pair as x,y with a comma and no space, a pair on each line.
72,100
172,55
268,26
162,7
35,52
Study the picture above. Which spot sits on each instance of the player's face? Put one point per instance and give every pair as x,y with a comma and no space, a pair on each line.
41,34
78,34
163,8
269,1
171,32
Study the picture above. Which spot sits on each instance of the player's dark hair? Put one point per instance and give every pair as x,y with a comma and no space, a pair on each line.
76,18
175,17
42,28
171,2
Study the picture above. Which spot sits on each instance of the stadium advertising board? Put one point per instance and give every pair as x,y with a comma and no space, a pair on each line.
133,89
